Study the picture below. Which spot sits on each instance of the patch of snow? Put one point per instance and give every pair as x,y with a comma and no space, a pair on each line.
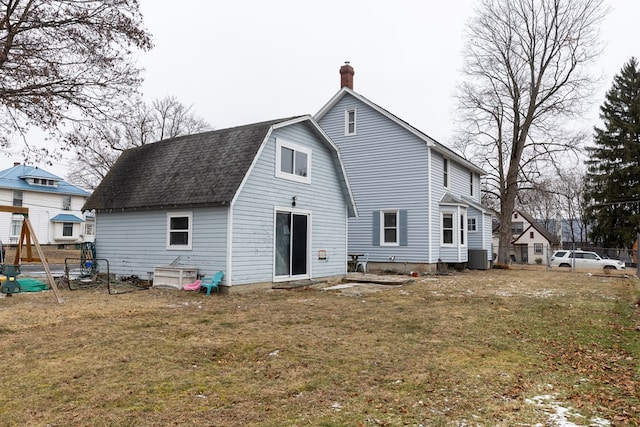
559,415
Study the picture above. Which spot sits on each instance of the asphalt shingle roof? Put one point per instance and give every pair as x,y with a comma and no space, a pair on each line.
191,170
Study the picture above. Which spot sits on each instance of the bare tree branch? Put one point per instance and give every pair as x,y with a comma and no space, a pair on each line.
66,60
98,145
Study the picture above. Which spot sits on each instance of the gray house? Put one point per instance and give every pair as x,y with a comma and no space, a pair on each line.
418,201
264,203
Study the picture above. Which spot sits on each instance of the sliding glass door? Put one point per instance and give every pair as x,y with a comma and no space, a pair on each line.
291,244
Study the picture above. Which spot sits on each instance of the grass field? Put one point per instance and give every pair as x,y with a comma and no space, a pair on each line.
482,348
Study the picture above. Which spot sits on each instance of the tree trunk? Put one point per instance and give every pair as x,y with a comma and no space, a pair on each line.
507,204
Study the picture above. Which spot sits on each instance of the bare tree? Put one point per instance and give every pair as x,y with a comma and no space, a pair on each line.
558,199
572,202
526,78
541,201
65,59
98,146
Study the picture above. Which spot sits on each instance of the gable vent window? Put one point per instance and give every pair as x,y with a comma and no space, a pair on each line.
66,203
293,161
350,122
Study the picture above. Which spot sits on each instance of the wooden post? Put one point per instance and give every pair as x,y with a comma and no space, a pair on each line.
25,239
26,234
52,282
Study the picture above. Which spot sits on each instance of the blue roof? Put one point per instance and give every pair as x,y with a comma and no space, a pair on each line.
15,178
66,218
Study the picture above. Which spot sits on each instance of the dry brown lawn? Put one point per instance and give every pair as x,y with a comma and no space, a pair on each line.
481,348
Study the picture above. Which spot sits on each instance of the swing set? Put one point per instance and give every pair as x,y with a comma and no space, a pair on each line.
27,236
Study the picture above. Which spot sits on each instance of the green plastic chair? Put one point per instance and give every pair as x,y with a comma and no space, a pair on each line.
210,282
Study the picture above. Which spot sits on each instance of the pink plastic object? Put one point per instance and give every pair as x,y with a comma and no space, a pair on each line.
192,286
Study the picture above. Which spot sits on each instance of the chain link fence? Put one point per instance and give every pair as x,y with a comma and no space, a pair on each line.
540,254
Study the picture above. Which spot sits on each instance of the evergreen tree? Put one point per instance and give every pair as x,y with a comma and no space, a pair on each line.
613,176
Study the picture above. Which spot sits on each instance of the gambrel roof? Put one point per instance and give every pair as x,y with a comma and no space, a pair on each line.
205,169
435,145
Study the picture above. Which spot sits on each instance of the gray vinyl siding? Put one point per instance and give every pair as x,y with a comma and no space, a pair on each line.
487,236
387,169
459,186
437,191
475,239
135,242
263,193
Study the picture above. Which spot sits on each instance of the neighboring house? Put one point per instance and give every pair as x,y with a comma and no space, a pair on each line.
266,202
531,240
418,201
55,206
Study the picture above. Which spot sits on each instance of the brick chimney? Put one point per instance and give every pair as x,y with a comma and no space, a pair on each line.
346,75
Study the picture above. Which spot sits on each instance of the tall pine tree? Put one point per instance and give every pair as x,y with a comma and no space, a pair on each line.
613,174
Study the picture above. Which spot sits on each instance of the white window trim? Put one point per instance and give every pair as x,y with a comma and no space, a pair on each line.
188,246
453,214
346,121
462,227
16,225
475,224
446,169
382,241
471,183
459,225
295,147
73,230
293,211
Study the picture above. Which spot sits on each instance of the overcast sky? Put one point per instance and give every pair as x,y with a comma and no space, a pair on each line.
242,61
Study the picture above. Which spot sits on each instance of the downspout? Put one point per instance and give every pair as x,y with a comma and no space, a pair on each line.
457,221
346,241
229,272
430,202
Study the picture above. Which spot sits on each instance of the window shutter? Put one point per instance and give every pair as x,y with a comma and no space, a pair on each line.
403,228
376,228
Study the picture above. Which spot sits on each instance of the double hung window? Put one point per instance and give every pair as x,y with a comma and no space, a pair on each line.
179,230
17,197
454,226
445,173
447,228
350,122
389,228
67,229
